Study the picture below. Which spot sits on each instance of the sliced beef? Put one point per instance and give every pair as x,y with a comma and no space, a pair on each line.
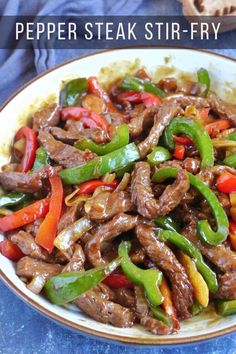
77,260
191,88
29,268
139,119
190,164
221,256
165,259
227,287
23,182
33,227
146,319
184,101
65,155
105,205
143,197
46,117
105,311
106,232
69,217
68,137
222,108
26,242
125,297
161,120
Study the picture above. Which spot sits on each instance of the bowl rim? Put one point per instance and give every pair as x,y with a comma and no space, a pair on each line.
66,322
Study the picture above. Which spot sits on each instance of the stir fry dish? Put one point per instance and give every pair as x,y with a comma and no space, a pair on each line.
123,202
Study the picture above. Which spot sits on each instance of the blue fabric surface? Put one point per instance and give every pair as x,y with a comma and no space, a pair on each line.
23,330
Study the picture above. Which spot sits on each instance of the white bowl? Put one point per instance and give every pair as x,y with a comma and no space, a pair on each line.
17,110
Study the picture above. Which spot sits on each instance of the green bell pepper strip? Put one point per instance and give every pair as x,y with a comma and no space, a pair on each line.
23,204
128,168
226,308
194,130
12,199
150,279
42,159
204,78
204,230
160,315
196,308
66,287
192,251
159,154
119,140
72,91
232,137
131,83
230,161
101,165
167,223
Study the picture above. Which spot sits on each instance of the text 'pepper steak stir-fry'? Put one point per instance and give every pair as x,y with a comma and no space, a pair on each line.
124,202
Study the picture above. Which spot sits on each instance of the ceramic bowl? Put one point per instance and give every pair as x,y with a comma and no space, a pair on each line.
108,65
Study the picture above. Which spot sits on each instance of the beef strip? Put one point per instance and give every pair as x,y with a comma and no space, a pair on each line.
221,256
184,101
106,232
139,119
105,311
165,259
77,260
190,164
227,287
143,197
23,182
26,242
161,120
33,227
125,297
69,217
105,205
46,117
65,155
29,268
146,319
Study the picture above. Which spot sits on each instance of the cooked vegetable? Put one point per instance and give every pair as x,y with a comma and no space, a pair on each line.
25,216
167,304
159,154
12,199
10,250
230,161
226,308
100,166
200,289
204,230
217,126
226,182
160,315
48,229
42,158
191,250
183,140
148,99
204,78
179,152
194,130
30,148
232,234
66,287
119,140
150,279
118,281
72,91
131,83
196,308
67,237
167,223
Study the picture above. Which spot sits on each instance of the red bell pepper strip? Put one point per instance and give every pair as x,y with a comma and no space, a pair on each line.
148,99
90,186
214,128
183,140
179,152
226,183
232,234
25,215
30,148
48,229
118,281
10,250
87,117
95,88
204,113
167,303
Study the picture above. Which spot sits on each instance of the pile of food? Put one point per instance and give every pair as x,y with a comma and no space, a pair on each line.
124,202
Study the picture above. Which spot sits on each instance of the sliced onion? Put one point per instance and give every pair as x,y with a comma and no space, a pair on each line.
4,211
232,198
108,177
19,145
37,283
226,132
73,198
123,183
221,143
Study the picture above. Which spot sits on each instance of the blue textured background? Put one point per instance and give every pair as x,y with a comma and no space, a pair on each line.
22,329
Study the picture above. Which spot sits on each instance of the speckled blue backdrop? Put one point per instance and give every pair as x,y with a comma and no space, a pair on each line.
22,329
